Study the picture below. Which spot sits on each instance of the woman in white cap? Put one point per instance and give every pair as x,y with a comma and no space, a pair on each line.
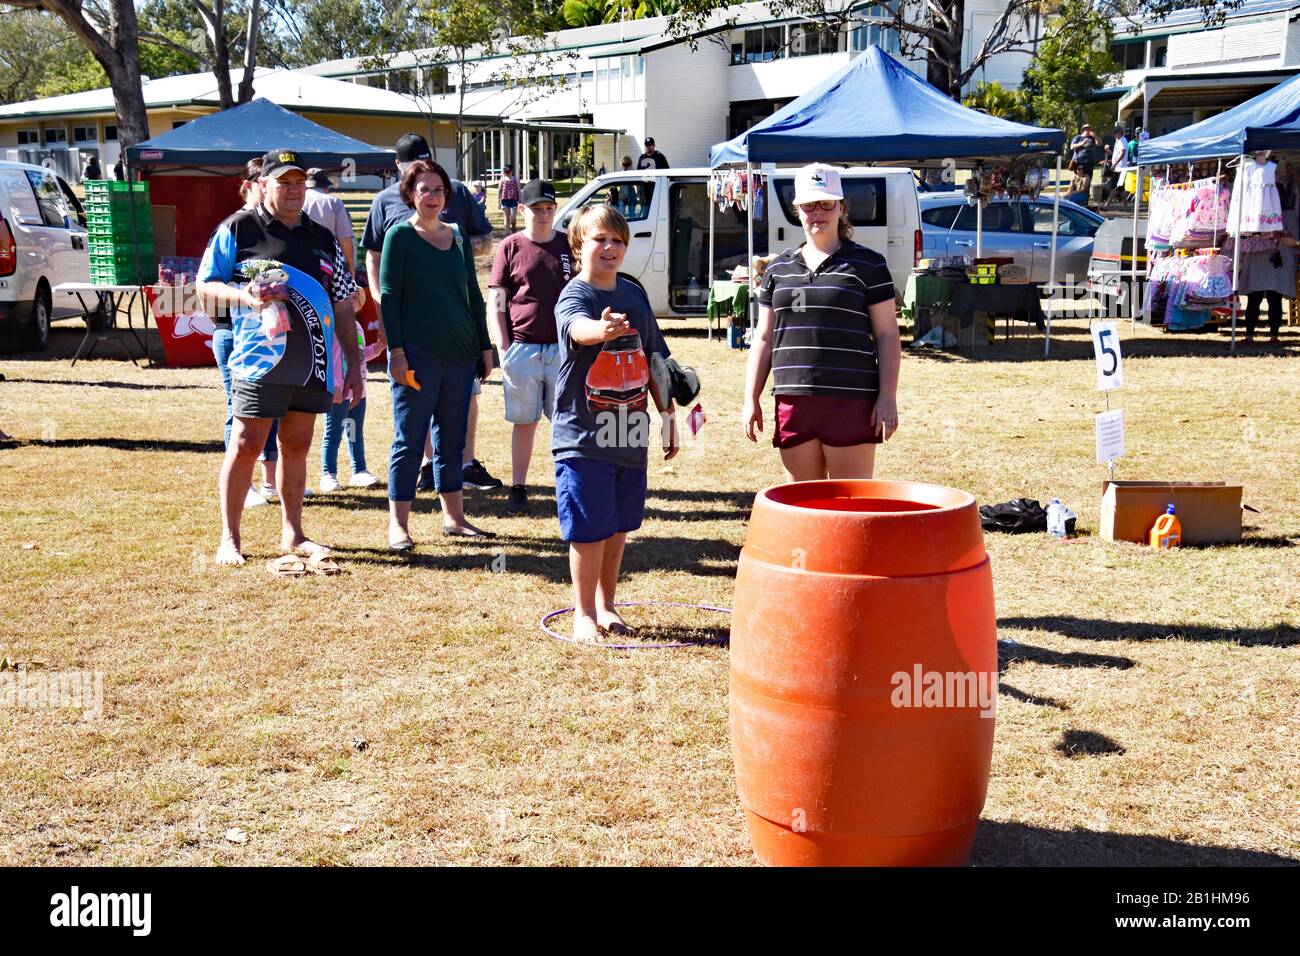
828,335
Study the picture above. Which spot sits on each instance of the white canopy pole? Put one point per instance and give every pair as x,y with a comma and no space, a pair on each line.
1236,252
979,227
749,229
708,288
1051,267
1133,251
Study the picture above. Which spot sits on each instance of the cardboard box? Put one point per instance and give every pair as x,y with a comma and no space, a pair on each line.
1209,511
164,230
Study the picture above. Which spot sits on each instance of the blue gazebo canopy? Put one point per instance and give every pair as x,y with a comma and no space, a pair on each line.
877,110
1269,121
234,136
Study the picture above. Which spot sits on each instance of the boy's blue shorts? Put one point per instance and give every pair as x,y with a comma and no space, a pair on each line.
597,499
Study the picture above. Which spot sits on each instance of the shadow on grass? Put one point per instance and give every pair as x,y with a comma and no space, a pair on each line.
120,444
1018,844
1092,629
547,558
1009,653
1076,744
134,386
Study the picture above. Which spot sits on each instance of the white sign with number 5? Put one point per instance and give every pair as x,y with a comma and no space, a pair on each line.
1105,346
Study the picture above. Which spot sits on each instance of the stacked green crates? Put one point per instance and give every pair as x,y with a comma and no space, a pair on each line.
119,226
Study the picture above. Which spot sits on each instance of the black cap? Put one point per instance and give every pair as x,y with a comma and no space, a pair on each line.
536,190
278,160
411,147
649,140
316,179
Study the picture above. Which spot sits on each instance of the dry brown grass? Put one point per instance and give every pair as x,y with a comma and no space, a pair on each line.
1148,712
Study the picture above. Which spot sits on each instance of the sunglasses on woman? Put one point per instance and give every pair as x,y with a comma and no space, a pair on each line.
827,204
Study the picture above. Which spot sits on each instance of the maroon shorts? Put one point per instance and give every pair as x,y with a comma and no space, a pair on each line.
838,422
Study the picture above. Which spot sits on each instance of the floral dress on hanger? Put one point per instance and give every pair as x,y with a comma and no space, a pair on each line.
1255,191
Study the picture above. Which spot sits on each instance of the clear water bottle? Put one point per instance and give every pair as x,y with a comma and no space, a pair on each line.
1056,513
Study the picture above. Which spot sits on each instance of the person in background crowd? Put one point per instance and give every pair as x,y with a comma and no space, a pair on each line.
508,197
223,343
478,189
651,158
530,270
1082,148
600,441
387,210
119,171
1080,187
828,336
329,211
92,170
437,333
284,377
1118,163
626,164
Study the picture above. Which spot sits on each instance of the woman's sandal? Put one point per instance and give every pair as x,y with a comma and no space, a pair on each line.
323,563
287,566
458,533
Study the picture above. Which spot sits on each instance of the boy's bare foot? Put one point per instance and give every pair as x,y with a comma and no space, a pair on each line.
610,620
585,630
302,546
228,553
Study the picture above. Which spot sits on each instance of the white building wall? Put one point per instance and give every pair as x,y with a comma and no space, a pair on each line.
1291,53
776,79
687,101
1227,48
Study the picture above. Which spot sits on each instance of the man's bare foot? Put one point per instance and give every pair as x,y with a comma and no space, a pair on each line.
302,546
228,554
610,620
585,630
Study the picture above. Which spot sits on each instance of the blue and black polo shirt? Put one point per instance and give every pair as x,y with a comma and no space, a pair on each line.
318,277
822,343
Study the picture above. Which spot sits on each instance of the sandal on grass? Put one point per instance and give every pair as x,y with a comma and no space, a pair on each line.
287,566
323,563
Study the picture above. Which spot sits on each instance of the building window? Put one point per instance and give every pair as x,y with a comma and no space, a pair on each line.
874,34
110,132
1159,51
762,45
1129,56
29,137
59,135
813,39
85,134
177,124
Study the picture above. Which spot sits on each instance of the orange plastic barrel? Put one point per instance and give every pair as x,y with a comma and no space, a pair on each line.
863,674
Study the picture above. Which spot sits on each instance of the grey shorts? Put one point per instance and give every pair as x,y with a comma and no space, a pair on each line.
529,373
272,400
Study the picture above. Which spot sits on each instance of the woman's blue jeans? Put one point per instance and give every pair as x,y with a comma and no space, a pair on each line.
341,423
443,398
223,343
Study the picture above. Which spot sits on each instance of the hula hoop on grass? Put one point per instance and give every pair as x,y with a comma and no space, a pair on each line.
639,647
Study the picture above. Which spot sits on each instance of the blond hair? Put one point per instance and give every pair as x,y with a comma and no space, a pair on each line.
594,218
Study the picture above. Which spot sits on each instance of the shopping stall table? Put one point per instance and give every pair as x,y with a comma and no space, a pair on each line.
727,298
116,300
925,296
1021,301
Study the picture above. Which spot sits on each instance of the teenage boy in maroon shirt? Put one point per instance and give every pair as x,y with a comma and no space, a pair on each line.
530,270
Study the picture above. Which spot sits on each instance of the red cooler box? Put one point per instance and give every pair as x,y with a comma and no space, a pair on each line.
186,334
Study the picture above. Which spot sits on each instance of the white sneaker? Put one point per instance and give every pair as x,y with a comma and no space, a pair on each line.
253,499
269,493
329,483
363,479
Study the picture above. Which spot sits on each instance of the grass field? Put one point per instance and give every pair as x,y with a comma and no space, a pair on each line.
410,710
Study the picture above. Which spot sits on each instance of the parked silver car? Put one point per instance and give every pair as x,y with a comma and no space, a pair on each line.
1021,229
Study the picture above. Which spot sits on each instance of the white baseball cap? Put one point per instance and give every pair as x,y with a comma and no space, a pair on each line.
817,181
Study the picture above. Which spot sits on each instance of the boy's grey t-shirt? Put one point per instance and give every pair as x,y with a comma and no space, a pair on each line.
593,417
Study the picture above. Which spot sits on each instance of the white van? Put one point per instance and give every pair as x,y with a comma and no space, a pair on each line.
668,213
42,243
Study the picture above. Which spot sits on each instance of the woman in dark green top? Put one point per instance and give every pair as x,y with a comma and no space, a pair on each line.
436,324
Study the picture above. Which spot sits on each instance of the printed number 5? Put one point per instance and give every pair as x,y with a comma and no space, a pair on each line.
1107,350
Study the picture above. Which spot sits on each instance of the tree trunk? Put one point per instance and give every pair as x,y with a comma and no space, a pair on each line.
123,69
221,55
250,52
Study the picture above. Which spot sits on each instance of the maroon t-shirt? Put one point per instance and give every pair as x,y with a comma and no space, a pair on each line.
532,274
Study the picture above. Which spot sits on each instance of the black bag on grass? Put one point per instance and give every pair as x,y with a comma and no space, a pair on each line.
1017,516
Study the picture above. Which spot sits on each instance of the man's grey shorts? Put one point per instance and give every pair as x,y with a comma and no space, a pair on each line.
272,400
529,372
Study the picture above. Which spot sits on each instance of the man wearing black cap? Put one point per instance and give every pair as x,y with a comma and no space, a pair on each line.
386,211
528,274
279,372
651,158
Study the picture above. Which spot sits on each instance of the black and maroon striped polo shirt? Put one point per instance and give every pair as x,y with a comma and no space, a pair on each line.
822,342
